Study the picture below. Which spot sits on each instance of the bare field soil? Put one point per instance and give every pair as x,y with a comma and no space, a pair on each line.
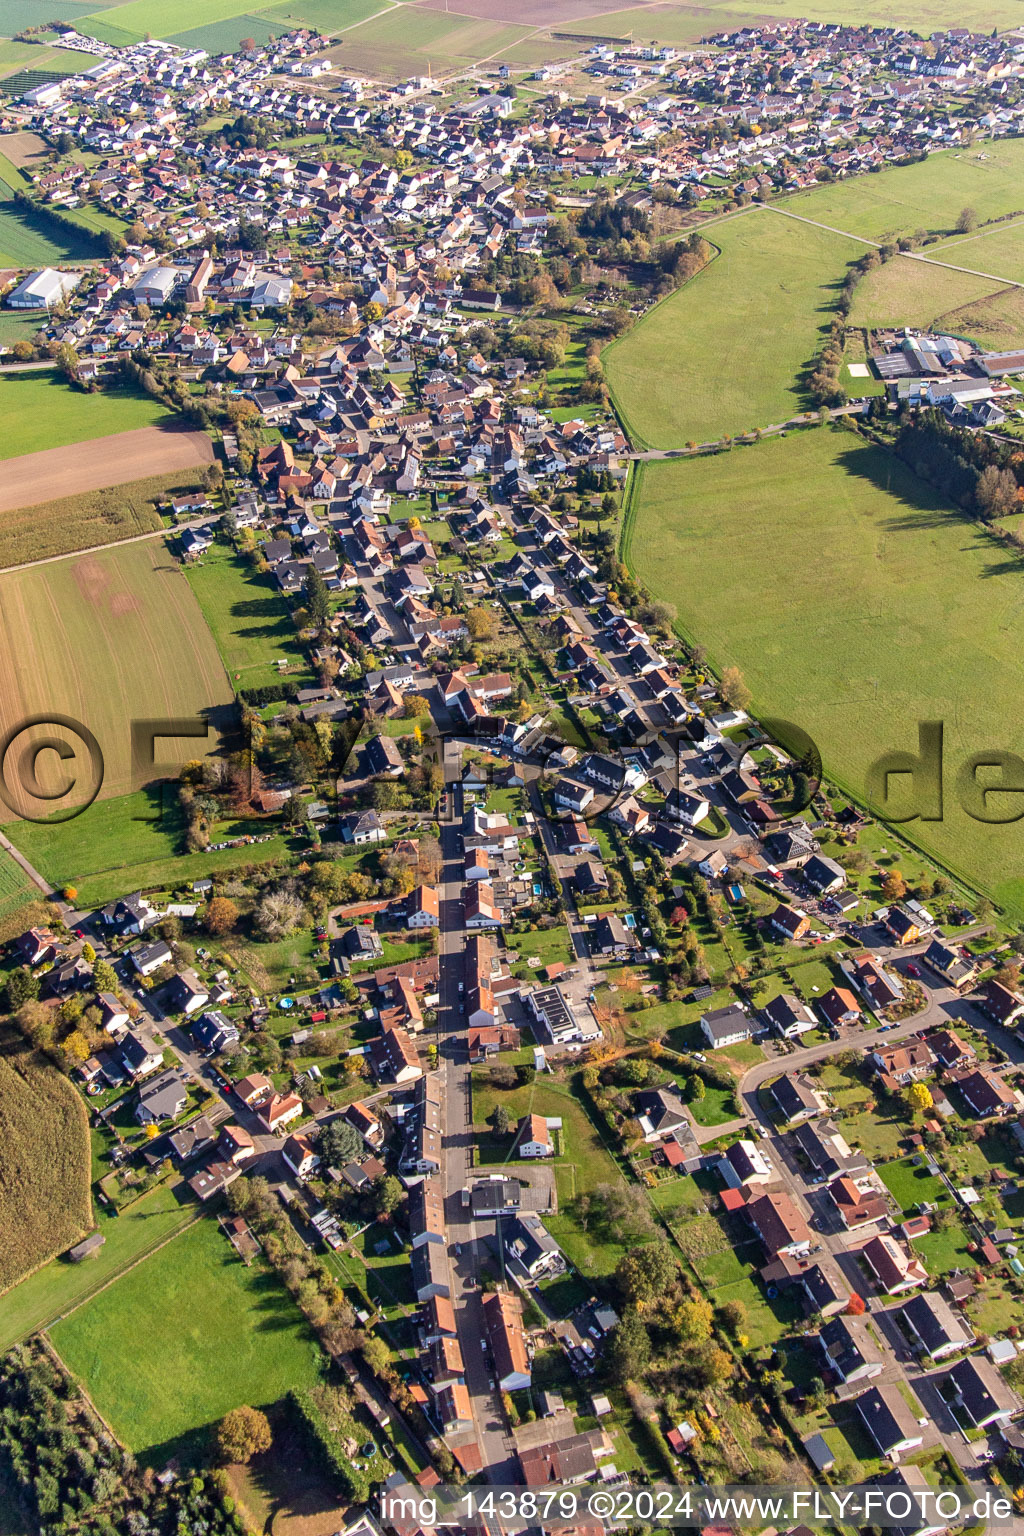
35,478
23,147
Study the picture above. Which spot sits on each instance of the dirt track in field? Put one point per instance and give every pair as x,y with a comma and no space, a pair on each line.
37,477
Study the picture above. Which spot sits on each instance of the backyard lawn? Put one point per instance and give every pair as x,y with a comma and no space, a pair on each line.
584,1163
186,1336
910,1182
547,946
248,617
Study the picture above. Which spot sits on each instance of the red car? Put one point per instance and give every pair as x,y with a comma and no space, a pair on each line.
912,969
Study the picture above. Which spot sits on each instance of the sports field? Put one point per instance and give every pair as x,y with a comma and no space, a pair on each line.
725,353
856,605
926,196
248,617
182,1339
40,411
105,638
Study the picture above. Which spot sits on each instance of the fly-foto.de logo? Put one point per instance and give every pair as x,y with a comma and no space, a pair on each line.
988,785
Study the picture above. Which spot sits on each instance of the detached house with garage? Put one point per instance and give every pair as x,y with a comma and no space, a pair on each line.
850,1349
787,1017
936,1329
982,1394
908,1062
901,926
423,908
988,1095
779,1224
887,1419
790,923
1001,1005
533,1137
797,1098
894,1269
725,1026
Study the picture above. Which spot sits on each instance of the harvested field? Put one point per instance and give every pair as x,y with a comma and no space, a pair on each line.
525,13
88,520
409,39
44,1172
35,478
23,148
107,638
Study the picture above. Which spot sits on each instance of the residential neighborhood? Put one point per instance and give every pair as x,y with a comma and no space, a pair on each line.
475,1039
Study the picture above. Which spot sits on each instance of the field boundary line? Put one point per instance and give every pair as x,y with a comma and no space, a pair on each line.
89,549
637,437
112,1279
83,1392
46,886
354,24
930,261
996,228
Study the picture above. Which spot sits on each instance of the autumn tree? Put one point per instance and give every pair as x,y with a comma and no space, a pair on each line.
734,690
104,976
919,1097
242,1434
644,1274
894,887
996,491
482,623
693,1319
967,220
221,916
